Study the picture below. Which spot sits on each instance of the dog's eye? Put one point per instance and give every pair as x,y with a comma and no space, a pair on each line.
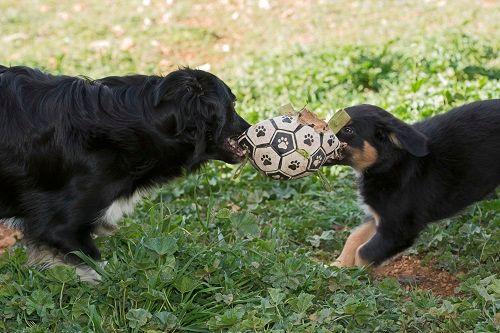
348,130
191,130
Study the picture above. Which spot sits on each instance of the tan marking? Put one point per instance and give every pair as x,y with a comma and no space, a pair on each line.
359,237
361,159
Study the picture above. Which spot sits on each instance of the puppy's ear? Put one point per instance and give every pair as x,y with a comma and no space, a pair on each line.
406,137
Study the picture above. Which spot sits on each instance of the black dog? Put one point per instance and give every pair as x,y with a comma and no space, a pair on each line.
76,154
412,175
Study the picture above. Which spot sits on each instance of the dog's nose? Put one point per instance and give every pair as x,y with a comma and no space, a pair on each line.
244,125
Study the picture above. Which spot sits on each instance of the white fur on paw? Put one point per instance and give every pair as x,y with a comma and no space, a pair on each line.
88,274
103,229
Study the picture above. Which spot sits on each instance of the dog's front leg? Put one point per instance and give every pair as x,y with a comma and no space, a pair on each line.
64,232
43,257
359,236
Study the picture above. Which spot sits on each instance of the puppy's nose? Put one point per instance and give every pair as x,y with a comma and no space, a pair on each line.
330,162
337,157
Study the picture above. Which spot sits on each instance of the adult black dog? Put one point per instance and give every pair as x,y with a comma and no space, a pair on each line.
412,175
76,154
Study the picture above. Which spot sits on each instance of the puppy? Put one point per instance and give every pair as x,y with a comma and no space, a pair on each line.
412,175
76,154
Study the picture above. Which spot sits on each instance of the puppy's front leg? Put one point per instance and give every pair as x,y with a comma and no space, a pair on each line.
359,236
385,243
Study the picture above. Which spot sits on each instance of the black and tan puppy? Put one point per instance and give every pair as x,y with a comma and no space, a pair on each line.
76,154
412,175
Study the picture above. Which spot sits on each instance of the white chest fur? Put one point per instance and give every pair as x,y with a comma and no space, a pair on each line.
370,212
108,222
121,207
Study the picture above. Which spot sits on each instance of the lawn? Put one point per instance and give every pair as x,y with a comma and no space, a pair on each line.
210,253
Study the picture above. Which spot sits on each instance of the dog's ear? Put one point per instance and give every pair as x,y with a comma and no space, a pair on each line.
406,137
181,85
170,121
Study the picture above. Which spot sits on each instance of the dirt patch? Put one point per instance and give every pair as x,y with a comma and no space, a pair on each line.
8,237
412,274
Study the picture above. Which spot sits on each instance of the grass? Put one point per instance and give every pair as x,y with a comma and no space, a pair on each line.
208,253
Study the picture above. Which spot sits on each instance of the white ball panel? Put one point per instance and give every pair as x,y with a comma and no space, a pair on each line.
294,164
266,159
286,122
261,133
330,143
278,175
308,139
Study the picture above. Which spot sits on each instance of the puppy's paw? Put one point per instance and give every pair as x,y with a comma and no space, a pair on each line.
347,257
341,264
351,259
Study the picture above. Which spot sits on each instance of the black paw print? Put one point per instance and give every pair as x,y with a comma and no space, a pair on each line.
283,143
317,161
308,139
266,160
294,165
330,140
287,119
261,131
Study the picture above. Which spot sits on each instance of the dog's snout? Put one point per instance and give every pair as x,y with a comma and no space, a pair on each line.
243,124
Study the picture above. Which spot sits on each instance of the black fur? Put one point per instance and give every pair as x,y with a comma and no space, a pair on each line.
70,147
424,172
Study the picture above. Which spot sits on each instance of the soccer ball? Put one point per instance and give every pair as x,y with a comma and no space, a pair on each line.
286,148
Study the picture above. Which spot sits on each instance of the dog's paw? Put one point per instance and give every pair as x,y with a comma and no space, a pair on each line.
87,274
103,229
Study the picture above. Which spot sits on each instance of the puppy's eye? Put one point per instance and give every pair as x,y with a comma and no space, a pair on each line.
348,130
